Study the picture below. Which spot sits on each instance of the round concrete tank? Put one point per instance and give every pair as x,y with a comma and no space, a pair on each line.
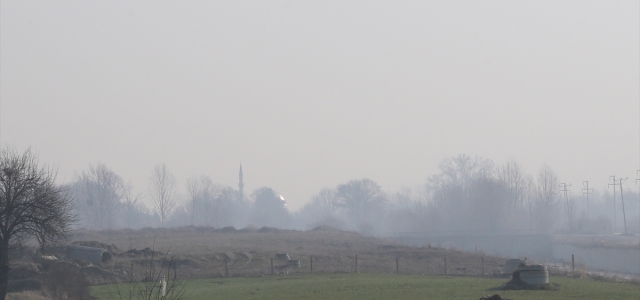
512,264
533,274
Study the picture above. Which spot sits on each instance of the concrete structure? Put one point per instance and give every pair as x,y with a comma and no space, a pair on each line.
90,254
533,274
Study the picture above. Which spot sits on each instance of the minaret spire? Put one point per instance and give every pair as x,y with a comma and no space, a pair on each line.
241,184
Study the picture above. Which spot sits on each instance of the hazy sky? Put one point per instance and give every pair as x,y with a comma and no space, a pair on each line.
311,94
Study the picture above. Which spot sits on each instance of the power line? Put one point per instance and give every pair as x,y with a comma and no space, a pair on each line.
624,215
638,179
566,201
615,222
587,191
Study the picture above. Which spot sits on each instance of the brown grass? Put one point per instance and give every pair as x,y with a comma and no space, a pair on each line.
200,252
26,296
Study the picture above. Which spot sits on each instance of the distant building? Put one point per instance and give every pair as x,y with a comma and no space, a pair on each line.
240,185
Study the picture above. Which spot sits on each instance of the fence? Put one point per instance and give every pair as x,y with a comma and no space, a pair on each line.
226,265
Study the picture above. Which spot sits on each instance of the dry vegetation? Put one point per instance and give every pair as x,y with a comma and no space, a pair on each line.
200,252
600,241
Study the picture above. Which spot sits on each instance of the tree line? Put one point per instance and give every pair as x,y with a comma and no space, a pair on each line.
469,193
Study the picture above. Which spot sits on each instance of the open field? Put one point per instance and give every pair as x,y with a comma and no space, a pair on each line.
202,253
384,286
230,263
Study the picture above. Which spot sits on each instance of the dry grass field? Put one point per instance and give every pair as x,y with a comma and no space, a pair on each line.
231,262
202,252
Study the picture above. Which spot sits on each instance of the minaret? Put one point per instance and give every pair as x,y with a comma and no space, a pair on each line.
241,184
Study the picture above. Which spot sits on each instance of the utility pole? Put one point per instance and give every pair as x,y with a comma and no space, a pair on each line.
566,202
614,202
586,191
624,215
638,179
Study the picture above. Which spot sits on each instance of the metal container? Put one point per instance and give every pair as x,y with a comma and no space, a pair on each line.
533,274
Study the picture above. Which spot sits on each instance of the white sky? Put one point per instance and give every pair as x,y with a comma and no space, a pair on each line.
311,94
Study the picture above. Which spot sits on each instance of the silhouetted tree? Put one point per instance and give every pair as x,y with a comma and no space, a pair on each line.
514,176
133,211
546,198
98,193
321,210
451,191
362,199
163,192
269,209
461,171
31,205
201,194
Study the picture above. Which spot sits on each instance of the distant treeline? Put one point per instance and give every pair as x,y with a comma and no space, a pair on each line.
469,193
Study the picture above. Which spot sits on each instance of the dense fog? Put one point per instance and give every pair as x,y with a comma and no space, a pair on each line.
469,194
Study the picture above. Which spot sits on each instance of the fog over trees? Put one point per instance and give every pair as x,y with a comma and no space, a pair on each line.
163,192
468,194
101,197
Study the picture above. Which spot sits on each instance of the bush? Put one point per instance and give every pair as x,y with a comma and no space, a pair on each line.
22,285
63,280
26,296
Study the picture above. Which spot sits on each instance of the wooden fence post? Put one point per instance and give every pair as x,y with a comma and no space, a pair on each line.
397,268
356,263
445,265
226,270
482,258
272,266
573,266
311,261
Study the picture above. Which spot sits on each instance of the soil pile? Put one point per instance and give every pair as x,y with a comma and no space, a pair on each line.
109,248
494,297
518,284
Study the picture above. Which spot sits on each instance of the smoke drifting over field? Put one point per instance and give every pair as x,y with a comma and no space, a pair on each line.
469,194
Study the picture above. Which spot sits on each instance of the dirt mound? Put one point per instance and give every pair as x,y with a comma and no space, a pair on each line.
248,229
228,229
324,228
203,229
494,297
517,284
94,244
268,229
144,252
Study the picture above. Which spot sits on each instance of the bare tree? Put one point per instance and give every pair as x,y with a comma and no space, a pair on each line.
513,175
131,207
530,198
321,210
362,199
98,193
546,200
324,203
462,171
204,199
163,190
450,192
31,205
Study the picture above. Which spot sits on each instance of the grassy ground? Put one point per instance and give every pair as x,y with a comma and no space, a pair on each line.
202,252
384,286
